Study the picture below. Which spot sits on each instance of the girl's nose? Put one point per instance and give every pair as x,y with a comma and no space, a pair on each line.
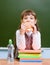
28,20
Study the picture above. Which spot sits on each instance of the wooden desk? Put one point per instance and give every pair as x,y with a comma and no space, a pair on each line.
16,62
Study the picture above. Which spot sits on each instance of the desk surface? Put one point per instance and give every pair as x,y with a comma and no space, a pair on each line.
16,62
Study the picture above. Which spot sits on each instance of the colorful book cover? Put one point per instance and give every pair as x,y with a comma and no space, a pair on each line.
29,55
29,51
30,58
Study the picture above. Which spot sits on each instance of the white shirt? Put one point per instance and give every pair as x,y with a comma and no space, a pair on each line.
20,40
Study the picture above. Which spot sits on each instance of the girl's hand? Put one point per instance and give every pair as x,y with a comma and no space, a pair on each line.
23,28
34,27
28,25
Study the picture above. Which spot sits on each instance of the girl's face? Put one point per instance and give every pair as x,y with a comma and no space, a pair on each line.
28,21
29,18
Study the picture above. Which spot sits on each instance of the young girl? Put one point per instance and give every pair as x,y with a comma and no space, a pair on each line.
28,36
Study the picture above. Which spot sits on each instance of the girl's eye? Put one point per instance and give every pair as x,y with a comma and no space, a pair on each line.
25,18
31,18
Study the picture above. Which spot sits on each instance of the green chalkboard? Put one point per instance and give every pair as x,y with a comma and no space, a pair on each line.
10,11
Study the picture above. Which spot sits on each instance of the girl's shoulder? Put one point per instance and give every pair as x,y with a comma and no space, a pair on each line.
37,33
18,31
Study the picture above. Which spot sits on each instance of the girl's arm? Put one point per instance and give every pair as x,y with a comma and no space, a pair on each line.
20,40
36,41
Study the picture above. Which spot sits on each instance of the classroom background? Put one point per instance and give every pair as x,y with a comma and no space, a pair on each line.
10,11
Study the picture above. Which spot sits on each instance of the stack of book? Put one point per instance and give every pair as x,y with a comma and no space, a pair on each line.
30,55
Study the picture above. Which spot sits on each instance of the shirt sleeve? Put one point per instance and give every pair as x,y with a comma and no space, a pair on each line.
36,41
20,40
